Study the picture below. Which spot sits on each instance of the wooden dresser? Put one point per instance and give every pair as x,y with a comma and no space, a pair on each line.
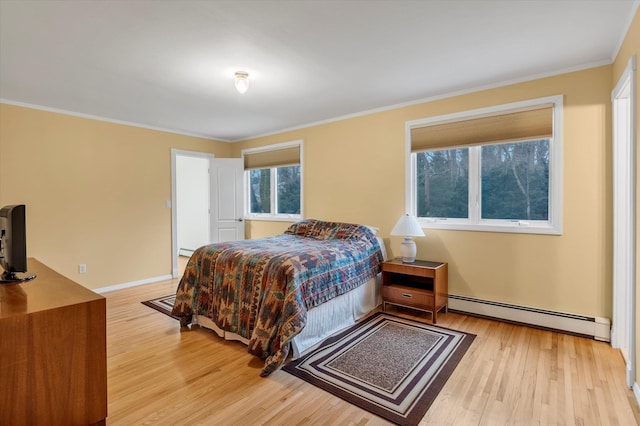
53,352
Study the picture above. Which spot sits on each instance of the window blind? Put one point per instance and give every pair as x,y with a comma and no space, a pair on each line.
289,156
514,125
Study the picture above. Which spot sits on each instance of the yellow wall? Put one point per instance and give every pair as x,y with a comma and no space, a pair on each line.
354,171
630,47
95,192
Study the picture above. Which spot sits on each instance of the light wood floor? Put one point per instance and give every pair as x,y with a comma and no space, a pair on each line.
161,375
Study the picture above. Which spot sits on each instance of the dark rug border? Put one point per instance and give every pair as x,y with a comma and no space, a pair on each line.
160,309
423,403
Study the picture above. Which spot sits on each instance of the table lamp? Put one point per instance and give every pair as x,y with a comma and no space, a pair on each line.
408,227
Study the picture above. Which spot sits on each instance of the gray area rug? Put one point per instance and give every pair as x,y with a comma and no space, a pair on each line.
390,366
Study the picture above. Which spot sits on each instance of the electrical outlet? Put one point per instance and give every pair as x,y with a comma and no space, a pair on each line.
82,268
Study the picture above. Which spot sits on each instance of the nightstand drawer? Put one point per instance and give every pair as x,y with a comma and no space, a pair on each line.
408,269
408,296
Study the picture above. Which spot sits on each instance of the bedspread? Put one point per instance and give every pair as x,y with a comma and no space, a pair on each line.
261,289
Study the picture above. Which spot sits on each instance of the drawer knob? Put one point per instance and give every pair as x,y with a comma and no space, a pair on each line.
407,295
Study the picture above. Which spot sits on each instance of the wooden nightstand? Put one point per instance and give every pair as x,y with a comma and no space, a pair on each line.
420,285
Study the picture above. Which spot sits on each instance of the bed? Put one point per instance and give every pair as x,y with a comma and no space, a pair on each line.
283,292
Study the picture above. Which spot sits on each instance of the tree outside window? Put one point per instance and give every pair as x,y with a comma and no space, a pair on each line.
260,190
442,183
515,181
283,182
288,198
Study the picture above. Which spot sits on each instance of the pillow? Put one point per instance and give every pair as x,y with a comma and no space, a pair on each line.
373,229
321,230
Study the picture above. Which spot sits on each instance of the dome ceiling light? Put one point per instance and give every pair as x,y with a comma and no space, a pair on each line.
242,81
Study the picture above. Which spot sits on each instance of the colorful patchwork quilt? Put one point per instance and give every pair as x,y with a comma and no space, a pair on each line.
262,289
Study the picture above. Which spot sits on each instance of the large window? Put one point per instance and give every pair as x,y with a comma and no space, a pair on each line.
495,169
273,182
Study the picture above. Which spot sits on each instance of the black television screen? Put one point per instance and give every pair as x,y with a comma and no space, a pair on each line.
13,244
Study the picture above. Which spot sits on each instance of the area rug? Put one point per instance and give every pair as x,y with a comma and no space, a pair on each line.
390,366
162,304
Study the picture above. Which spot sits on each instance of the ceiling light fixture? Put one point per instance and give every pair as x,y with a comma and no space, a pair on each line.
242,81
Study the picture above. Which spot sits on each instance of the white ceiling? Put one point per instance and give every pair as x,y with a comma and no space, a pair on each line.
170,64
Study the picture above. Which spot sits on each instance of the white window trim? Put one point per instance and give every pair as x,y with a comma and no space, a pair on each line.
553,226
273,217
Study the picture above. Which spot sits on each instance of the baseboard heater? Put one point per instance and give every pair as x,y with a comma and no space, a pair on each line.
598,328
185,252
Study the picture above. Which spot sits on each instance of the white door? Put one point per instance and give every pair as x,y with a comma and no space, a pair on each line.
624,214
227,210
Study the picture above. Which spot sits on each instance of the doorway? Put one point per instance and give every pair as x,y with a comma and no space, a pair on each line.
207,202
191,202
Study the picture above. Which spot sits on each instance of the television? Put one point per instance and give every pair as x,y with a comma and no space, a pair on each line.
13,245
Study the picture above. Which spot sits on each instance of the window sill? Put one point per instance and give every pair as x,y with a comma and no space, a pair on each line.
274,218
514,227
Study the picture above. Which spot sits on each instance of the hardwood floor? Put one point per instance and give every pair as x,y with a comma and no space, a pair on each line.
159,374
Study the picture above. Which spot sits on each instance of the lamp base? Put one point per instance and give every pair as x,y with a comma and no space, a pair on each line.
408,250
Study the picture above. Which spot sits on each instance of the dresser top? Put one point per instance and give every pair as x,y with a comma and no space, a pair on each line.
49,290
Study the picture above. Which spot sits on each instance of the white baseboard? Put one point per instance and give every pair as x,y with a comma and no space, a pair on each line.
598,328
132,284
636,392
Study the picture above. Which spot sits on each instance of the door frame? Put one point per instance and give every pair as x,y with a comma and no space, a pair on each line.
624,219
174,211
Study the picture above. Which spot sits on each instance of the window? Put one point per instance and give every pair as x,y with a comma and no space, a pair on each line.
273,178
496,169
260,190
515,180
442,183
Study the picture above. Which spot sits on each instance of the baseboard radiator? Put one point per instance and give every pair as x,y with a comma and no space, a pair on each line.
598,328
185,252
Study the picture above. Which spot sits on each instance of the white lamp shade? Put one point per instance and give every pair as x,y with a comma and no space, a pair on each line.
408,226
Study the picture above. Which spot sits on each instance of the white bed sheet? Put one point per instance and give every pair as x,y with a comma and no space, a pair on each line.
326,319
